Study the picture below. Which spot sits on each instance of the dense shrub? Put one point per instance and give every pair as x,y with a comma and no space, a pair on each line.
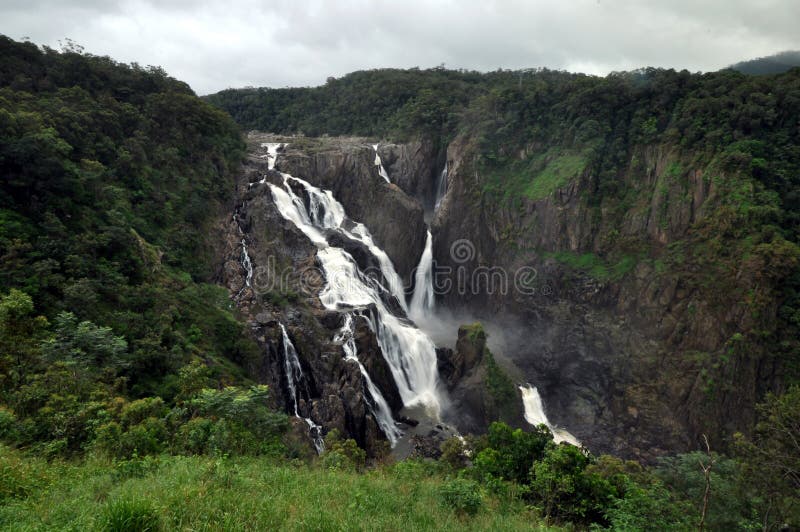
561,484
508,453
462,495
454,453
20,477
341,453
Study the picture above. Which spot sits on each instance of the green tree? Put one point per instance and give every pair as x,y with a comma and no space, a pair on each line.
566,490
729,502
20,335
85,344
771,459
509,453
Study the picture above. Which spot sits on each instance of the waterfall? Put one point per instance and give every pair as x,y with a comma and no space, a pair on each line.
379,163
245,261
272,152
295,377
422,300
378,405
271,156
534,414
247,264
441,187
410,353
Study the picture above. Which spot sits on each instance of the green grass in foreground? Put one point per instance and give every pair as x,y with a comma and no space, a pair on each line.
206,493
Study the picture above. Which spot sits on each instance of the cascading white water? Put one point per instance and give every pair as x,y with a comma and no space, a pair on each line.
422,301
534,414
379,163
247,264
272,152
271,156
441,188
378,406
295,377
410,353
325,212
245,261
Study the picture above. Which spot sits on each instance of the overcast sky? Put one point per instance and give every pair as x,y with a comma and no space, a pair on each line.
276,43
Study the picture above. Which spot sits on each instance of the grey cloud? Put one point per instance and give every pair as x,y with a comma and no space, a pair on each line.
213,45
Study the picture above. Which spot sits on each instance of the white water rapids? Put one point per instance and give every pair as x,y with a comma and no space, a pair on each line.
272,152
534,414
410,353
247,264
245,261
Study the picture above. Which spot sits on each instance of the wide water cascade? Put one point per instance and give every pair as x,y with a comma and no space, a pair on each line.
377,403
409,352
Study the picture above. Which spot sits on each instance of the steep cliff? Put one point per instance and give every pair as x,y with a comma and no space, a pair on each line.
640,329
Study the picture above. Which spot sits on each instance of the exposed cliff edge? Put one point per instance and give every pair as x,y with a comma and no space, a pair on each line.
273,273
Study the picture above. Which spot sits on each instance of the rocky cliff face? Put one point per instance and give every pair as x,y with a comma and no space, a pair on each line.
607,308
414,167
475,383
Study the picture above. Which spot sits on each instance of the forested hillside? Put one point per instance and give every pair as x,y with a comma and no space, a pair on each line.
111,178
772,64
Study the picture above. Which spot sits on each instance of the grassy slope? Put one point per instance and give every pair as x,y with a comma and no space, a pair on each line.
204,493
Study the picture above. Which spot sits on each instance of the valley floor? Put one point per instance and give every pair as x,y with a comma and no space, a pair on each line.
205,493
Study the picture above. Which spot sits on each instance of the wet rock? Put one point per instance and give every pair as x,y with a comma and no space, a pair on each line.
285,289
370,354
599,349
426,446
470,347
414,167
408,421
265,318
331,320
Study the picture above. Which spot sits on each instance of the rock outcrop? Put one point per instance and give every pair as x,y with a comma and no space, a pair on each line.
471,375
591,306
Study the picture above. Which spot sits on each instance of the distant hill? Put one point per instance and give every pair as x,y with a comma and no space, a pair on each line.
773,64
